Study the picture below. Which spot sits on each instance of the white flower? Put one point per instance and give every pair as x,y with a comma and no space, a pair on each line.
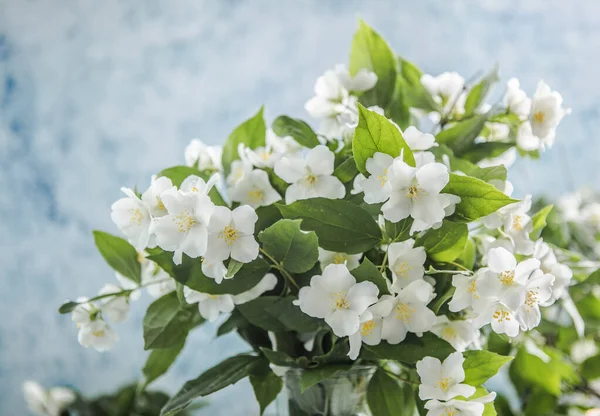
406,263
261,157
371,324
518,225
203,157
546,111
231,233
376,187
98,335
466,293
282,145
497,131
538,290
214,269
239,170
255,190
326,258
504,280
549,264
416,193
496,219
82,313
448,90
528,141
409,312
51,402
420,142
502,318
590,215
151,197
266,283
516,100
460,334
133,218
333,104
507,159
159,283
454,407
115,308
195,184
212,306
583,349
185,228
310,177
363,80
443,381
336,297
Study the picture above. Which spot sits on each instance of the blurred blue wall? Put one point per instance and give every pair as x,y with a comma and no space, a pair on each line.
99,94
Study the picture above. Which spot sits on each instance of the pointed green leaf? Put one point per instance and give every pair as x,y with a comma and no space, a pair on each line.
385,396
481,365
371,52
446,243
412,349
251,132
167,322
539,221
313,376
340,225
159,361
119,254
478,198
367,271
479,92
266,384
301,132
296,250
375,133
346,171
461,135
214,379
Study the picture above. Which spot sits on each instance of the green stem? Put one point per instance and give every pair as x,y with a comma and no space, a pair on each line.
396,376
384,262
287,276
460,266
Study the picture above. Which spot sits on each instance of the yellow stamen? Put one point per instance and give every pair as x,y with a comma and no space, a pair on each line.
256,196
98,334
518,223
404,312
507,277
311,180
402,268
339,300
229,234
444,383
531,298
448,333
472,289
136,216
383,177
161,206
366,328
339,258
140,257
539,117
184,221
501,316
414,192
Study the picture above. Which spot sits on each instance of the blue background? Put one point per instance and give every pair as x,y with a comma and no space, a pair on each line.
95,95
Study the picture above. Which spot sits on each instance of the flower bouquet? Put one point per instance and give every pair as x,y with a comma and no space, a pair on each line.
376,265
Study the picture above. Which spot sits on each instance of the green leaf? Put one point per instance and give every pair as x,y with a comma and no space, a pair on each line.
292,317
267,216
235,321
446,243
590,368
375,133
479,92
67,307
167,322
367,271
346,171
370,51
491,173
251,132
159,361
461,135
385,396
178,174
412,349
119,254
399,231
216,378
479,366
539,221
531,370
478,198
296,250
414,94
301,132
487,150
313,376
266,385
398,109
189,273
278,358
233,267
467,257
341,226
256,312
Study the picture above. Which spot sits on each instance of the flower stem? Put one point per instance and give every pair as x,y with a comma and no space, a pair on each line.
384,262
286,275
402,379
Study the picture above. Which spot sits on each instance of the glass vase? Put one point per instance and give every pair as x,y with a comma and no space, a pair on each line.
342,394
